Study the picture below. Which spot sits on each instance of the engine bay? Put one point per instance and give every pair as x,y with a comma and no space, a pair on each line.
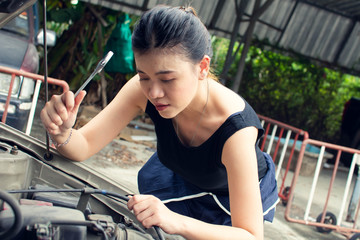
50,197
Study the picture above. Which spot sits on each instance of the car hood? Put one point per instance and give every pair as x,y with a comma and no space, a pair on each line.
13,50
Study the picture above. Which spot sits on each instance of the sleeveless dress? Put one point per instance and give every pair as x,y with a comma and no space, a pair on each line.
192,180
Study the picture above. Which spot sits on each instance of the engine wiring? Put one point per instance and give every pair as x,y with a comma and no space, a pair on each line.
85,191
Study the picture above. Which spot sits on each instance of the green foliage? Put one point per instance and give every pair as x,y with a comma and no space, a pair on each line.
220,47
289,89
81,39
294,90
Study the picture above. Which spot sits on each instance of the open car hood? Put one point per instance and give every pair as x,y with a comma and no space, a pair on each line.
58,181
35,149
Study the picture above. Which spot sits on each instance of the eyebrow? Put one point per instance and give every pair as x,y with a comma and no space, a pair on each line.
158,73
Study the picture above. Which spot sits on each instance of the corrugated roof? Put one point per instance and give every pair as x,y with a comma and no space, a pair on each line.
327,31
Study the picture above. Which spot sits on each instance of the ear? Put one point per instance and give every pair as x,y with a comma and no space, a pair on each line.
204,67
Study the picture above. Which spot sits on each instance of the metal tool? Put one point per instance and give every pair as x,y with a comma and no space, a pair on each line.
98,69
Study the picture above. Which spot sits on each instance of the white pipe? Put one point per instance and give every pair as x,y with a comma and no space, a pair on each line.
33,107
283,152
316,177
271,139
347,187
262,123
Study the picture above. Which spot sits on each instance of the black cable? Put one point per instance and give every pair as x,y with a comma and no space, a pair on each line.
87,191
18,218
82,190
47,154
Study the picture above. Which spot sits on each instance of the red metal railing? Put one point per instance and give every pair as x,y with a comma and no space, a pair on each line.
35,77
323,222
277,131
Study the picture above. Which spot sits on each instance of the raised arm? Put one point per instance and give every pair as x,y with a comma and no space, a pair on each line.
59,115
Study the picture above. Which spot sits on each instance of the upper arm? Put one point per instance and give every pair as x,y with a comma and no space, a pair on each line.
239,158
105,126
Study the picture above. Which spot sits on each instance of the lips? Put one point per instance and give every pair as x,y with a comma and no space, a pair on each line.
161,107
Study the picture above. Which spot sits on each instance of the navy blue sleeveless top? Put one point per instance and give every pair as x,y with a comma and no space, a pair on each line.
202,165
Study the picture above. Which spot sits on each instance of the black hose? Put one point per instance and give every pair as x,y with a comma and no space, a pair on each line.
47,154
88,191
18,219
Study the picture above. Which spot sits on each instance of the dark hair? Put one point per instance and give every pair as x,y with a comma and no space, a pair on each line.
168,27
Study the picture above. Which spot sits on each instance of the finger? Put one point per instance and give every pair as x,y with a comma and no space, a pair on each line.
144,213
150,221
80,97
57,111
54,132
146,216
78,100
135,200
129,205
132,201
140,207
68,100
47,122
50,112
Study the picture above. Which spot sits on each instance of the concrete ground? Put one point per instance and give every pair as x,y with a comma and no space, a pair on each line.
122,160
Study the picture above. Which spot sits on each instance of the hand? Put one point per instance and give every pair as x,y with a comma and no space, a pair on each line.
59,114
150,211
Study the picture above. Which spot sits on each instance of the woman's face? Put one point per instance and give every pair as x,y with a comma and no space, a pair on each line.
168,80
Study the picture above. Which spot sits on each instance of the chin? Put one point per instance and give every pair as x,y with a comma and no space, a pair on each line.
167,115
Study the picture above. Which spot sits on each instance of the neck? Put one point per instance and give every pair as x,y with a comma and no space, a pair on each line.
194,121
198,105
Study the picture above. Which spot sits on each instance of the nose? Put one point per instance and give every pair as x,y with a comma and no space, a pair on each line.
156,91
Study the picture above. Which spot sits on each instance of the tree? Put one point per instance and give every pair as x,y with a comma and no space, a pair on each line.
83,31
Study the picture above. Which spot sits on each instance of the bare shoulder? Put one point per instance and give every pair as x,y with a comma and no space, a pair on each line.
227,99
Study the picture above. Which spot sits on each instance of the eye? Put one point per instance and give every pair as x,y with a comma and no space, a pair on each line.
168,80
143,77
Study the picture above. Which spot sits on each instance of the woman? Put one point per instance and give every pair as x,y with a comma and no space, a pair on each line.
208,179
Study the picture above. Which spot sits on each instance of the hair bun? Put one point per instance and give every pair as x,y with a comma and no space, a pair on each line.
188,10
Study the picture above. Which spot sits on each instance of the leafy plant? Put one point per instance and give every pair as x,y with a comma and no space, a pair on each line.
291,89
294,90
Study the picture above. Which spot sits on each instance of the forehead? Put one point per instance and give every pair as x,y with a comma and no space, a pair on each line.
161,60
